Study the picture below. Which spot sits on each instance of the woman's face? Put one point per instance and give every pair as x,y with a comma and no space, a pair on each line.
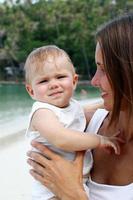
101,81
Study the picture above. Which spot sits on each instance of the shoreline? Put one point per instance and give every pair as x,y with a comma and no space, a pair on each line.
80,82
12,137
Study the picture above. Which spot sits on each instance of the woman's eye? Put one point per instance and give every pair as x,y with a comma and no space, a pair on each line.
103,70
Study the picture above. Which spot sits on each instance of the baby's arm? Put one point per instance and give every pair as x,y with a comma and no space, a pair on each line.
46,122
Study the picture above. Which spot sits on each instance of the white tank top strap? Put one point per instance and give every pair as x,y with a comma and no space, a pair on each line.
96,120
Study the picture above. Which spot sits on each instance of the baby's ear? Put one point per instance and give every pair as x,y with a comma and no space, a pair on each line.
75,80
29,90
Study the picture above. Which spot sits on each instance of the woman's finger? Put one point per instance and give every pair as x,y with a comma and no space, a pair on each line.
44,181
39,172
37,176
79,163
38,158
79,157
44,150
37,167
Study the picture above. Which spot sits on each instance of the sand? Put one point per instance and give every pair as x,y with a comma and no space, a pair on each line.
15,181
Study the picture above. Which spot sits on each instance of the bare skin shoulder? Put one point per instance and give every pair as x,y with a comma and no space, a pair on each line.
89,110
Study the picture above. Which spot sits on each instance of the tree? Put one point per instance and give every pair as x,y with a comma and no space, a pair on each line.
68,24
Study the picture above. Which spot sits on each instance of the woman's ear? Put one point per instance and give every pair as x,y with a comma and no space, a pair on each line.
75,80
29,90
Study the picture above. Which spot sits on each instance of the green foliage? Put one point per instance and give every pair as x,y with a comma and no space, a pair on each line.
70,24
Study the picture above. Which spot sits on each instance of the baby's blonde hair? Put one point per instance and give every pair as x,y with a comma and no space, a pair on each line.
37,59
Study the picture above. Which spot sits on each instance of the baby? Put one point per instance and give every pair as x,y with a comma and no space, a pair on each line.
56,119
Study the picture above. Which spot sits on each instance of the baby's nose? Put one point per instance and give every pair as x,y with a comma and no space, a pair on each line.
53,84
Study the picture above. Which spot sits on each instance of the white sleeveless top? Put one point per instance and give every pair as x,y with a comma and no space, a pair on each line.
102,191
71,117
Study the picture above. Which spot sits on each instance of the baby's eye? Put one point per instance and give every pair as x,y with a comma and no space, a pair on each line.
43,81
60,77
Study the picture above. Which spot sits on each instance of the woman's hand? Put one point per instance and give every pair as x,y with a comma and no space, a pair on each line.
62,177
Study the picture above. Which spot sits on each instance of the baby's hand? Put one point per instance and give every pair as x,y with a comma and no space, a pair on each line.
110,142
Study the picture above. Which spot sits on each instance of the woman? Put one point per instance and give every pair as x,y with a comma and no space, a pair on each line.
112,175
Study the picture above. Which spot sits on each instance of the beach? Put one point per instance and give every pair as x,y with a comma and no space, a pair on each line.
15,180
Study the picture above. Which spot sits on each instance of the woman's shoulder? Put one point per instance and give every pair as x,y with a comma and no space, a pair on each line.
89,114
90,109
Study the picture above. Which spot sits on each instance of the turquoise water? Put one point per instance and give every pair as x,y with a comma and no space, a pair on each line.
15,105
13,101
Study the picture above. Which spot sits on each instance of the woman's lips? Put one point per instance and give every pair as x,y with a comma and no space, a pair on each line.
104,94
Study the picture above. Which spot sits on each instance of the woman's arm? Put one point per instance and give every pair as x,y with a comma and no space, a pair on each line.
62,177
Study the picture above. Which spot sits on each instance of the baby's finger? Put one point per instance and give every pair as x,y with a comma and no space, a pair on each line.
116,148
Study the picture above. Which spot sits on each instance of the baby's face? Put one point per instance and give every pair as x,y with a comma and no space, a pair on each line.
54,85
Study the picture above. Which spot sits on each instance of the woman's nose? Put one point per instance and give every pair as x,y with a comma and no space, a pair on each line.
95,80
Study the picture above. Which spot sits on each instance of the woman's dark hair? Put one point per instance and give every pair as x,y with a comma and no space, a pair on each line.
116,42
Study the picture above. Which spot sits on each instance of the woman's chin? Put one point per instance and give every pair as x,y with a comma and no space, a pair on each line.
108,106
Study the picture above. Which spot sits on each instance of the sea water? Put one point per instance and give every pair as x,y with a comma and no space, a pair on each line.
15,105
